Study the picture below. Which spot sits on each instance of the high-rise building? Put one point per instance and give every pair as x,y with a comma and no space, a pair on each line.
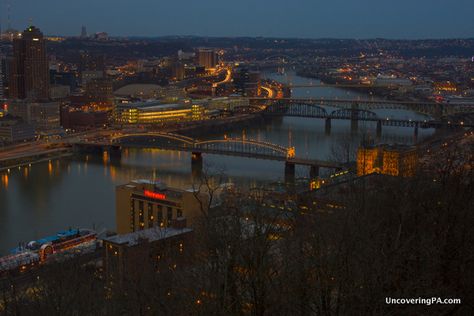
1,78
91,67
99,93
178,70
207,58
247,82
83,32
29,72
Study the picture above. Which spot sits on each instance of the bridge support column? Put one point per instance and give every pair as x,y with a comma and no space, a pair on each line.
328,126
314,172
416,130
290,169
354,117
115,152
354,125
196,165
379,129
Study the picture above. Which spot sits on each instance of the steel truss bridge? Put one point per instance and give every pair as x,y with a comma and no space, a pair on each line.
230,147
311,110
433,109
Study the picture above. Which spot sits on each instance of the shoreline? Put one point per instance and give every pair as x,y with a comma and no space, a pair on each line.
35,161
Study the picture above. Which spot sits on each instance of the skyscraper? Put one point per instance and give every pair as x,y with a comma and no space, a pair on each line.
83,32
207,58
1,78
29,72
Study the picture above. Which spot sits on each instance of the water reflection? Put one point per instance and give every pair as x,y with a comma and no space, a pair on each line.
80,191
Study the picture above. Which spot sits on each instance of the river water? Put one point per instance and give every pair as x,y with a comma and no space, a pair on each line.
44,198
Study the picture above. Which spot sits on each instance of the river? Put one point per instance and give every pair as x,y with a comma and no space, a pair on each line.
44,198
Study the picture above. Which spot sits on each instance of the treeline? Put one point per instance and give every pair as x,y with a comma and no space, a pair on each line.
383,237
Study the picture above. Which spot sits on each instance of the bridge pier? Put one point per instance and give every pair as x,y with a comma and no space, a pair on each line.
290,171
328,126
314,172
354,117
196,165
379,129
416,130
354,125
115,152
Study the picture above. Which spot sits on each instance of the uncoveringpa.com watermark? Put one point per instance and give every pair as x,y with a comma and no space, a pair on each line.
422,301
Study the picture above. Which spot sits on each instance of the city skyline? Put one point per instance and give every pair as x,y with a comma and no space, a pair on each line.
300,19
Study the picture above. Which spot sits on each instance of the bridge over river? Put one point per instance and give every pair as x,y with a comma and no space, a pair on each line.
248,148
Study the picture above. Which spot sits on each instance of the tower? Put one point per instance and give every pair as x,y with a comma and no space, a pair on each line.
83,32
29,72
207,58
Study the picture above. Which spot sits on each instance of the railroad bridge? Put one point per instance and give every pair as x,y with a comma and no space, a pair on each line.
433,109
360,112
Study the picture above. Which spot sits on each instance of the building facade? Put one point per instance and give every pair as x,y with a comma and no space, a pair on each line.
137,256
393,160
155,112
143,204
29,69
14,130
41,115
207,58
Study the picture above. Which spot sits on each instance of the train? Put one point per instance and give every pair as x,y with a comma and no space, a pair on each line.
38,252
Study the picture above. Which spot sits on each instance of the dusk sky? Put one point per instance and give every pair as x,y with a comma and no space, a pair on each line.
278,18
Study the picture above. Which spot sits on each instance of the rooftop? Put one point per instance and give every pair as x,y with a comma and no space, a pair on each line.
151,234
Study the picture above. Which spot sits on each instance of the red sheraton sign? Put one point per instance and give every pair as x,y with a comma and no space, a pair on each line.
154,195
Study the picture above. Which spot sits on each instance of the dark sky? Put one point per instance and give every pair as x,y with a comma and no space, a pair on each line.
277,18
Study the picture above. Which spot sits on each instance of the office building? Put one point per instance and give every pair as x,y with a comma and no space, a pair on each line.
91,66
207,58
14,130
246,82
29,70
178,70
399,161
2,93
136,256
155,112
368,160
78,119
42,116
83,32
143,204
99,94
393,160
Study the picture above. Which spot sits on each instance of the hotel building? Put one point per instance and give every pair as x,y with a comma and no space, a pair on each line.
143,204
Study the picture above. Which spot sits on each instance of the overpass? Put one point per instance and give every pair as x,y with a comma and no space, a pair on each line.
229,146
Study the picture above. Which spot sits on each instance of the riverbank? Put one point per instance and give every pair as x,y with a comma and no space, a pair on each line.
217,126
5,165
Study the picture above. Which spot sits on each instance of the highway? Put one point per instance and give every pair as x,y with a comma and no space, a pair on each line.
227,79
270,92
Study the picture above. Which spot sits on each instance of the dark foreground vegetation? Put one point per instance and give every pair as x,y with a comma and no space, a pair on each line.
386,237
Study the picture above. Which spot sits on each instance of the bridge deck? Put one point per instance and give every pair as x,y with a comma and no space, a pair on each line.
315,162
254,155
